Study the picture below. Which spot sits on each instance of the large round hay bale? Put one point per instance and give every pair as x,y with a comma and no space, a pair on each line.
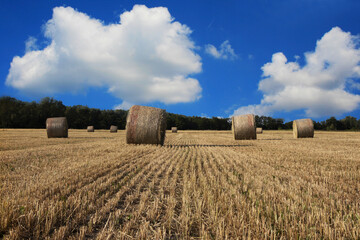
57,127
113,129
303,128
145,125
243,127
90,129
174,129
259,130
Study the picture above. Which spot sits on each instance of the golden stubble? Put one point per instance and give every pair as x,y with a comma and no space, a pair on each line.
199,185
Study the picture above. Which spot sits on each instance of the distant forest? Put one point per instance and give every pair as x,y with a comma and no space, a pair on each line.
18,114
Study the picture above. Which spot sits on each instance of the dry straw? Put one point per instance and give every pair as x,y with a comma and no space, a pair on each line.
303,128
57,127
259,130
243,127
145,125
90,128
113,129
174,129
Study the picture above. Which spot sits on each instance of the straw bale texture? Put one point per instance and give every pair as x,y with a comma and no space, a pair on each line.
303,128
57,127
174,129
243,127
90,128
259,130
145,125
113,129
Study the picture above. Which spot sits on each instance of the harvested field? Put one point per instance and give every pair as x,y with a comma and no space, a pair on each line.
200,184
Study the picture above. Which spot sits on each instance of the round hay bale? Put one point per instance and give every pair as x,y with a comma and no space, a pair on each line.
113,129
303,128
243,127
259,130
90,129
145,125
57,127
174,129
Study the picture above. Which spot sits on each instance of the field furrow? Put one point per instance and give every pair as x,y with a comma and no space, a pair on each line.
199,185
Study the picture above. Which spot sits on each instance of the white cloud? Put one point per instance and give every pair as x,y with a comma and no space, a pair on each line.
30,44
225,51
319,87
124,106
145,57
254,109
204,115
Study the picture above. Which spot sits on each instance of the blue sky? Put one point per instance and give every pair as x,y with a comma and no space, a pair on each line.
288,59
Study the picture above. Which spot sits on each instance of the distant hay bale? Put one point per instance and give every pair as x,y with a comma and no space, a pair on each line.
145,125
259,130
303,128
243,127
90,128
113,129
57,127
174,129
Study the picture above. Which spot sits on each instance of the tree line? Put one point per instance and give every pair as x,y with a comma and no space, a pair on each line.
331,124
15,113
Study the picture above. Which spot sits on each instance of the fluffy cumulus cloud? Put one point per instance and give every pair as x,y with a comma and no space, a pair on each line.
145,57
225,51
124,106
324,86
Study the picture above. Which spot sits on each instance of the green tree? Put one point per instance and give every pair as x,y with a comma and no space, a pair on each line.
49,107
331,124
350,123
9,112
